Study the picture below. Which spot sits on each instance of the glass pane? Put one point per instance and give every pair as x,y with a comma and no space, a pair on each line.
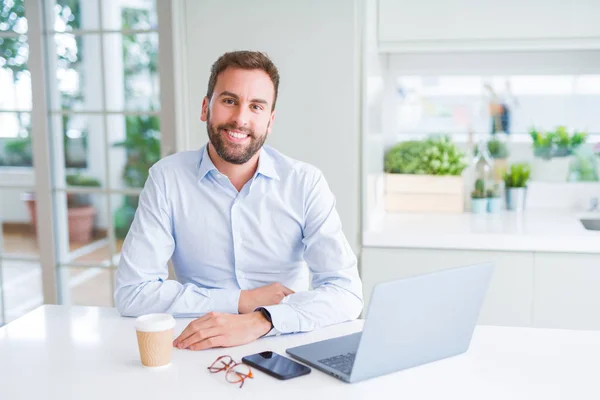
12,16
134,148
70,15
78,73
124,212
15,79
86,286
2,314
22,287
78,145
17,216
15,140
131,64
81,227
125,15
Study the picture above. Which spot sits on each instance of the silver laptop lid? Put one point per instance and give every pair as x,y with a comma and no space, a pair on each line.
421,319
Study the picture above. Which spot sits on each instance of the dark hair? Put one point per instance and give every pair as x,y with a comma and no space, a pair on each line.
243,60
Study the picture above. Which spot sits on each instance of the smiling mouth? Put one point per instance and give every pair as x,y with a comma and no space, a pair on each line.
236,136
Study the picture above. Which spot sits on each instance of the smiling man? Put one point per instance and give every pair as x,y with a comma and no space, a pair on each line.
243,224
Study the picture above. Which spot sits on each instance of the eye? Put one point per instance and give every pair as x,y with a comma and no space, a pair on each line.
228,101
256,107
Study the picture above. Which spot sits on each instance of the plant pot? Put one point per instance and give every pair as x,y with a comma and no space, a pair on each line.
555,169
80,220
81,224
494,205
479,206
424,193
515,199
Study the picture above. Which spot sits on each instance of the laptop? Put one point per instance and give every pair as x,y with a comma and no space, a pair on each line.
410,322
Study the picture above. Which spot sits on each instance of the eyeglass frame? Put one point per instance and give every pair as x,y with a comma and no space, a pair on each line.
228,368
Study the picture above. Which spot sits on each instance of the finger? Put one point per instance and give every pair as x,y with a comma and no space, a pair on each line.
215,341
287,291
193,327
199,336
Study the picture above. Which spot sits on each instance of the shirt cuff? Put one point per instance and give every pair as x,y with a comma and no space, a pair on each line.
284,319
225,300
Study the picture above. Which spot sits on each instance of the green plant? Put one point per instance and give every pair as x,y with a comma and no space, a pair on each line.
436,155
142,148
17,152
75,200
476,194
82,180
517,175
584,166
442,157
497,149
494,192
404,157
479,191
558,143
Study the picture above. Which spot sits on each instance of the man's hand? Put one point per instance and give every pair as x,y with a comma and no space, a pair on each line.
268,295
222,330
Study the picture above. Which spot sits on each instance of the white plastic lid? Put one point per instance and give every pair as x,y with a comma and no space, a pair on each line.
154,322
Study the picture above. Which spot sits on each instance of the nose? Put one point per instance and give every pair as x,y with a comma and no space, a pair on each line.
242,116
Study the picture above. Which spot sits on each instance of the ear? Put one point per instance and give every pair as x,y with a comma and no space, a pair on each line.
205,104
270,126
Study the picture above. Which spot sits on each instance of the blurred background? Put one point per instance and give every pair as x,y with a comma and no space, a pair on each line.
451,132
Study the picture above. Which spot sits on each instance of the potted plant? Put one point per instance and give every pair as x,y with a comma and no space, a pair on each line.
479,201
494,200
515,180
425,176
81,213
553,151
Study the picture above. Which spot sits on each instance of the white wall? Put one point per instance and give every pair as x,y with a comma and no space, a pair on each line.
315,45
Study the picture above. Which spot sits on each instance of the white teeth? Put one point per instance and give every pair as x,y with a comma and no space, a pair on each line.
237,135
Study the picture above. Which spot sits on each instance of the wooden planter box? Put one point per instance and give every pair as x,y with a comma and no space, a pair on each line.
424,193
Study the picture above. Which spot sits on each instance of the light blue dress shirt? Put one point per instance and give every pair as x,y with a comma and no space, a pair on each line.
278,228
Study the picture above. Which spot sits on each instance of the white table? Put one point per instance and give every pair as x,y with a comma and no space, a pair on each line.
58,352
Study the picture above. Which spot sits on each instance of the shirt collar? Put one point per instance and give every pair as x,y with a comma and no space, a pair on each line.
205,165
266,165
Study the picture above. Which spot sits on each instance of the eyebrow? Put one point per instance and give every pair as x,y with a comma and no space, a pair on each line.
235,96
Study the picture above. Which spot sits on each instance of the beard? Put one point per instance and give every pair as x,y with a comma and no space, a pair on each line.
234,153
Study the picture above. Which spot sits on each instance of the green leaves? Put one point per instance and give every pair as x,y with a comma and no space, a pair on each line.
433,156
497,149
556,144
517,175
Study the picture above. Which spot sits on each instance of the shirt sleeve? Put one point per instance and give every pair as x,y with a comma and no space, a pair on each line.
337,290
142,286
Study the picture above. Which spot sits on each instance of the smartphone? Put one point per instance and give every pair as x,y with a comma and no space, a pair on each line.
275,365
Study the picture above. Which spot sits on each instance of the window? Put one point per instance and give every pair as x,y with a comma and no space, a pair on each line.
15,86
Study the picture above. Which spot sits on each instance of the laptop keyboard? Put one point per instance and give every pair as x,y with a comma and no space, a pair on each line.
342,363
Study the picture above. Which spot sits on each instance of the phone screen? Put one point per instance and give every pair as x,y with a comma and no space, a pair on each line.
275,365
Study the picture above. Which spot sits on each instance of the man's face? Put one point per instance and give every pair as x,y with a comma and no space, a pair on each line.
238,116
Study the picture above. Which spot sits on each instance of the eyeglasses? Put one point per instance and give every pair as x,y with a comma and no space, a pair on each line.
234,372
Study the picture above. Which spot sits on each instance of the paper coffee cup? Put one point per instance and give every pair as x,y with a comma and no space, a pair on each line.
155,339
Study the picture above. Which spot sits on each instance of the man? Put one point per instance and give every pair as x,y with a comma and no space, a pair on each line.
241,223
